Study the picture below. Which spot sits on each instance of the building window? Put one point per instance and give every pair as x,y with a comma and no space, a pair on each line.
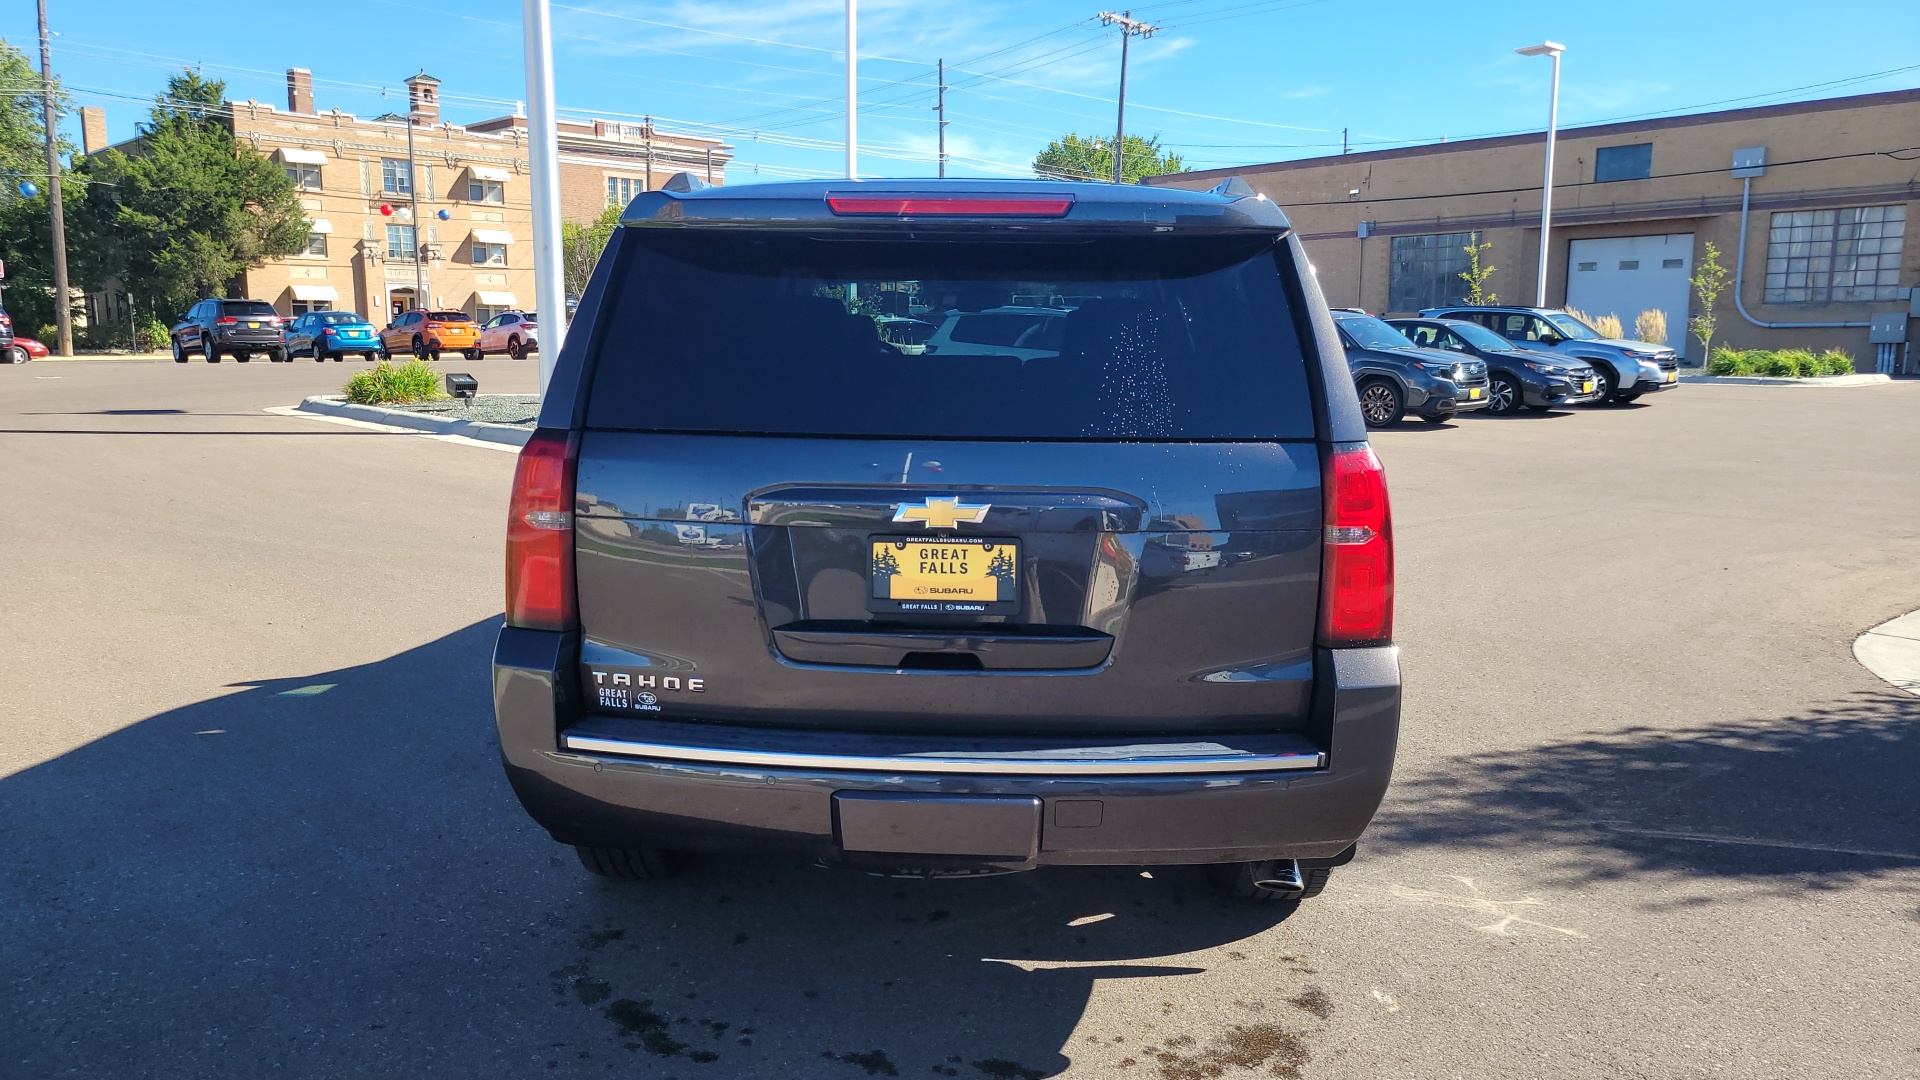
400,242
622,189
1623,163
1822,256
302,307
1426,270
317,244
487,191
489,254
485,313
304,177
395,177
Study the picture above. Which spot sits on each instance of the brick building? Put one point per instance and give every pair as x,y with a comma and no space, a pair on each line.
1634,204
478,257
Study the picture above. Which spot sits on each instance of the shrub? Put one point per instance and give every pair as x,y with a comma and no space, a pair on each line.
1607,326
1778,365
1726,362
1651,326
151,335
385,384
1835,362
1804,364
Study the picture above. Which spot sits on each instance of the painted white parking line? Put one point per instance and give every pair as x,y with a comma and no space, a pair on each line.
386,429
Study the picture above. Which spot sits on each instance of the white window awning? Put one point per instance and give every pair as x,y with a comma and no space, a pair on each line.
492,236
315,292
294,156
489,172
319,225
496,299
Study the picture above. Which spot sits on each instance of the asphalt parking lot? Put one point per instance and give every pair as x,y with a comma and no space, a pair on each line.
1650,817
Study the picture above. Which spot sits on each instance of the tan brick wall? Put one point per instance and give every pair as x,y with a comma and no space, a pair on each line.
1492,186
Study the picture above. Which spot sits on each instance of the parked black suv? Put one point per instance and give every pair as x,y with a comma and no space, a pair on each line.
1393,376
238,328
1517,378
776,584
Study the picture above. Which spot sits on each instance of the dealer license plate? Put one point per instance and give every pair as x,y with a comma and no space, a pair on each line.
1587,387
1673,376
944,575
1473,395
253,326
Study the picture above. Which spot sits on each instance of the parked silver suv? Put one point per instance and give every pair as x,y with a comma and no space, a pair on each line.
1626,369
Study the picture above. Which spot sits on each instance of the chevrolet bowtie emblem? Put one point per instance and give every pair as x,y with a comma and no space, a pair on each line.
943,513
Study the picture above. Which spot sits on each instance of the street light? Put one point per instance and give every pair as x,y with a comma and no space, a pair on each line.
1553,49
413,213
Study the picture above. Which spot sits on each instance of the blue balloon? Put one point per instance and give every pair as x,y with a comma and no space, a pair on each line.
443,215
29,189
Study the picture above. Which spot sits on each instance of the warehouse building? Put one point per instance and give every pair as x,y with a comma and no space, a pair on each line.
1822,192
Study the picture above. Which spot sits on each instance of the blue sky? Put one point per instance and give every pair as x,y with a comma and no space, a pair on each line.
1225,82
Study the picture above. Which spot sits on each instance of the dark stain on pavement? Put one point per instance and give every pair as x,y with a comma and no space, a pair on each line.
1249,1046
875,1062
1313,1001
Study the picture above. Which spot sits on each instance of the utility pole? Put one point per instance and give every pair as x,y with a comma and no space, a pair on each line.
1128,28
543,160
62,300
941,108
420,299
853,90
1552,49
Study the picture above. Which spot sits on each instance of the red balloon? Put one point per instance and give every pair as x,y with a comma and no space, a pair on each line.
386,210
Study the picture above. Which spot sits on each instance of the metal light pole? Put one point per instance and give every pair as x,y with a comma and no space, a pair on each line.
62,300
853,89
941,108
543,159
413,212
1128,28
1553,49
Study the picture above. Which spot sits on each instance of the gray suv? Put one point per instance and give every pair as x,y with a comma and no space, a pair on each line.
1626,369
776,584
1394,376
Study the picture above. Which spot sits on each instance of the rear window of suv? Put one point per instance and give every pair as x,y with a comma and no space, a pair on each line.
245,307
1157,338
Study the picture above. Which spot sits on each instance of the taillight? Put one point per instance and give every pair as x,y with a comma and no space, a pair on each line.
330,332
226,320
435,326
1356,563
540,534
6,320
950,205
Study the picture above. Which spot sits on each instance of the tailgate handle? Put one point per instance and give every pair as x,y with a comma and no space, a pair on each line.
868,647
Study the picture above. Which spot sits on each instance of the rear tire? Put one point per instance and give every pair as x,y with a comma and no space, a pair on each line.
243,356
475,355
1244,878
419,349
212,354
629,864
514,352
1381,404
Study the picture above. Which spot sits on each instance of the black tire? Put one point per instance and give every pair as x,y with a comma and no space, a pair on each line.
380,355
475,355
1243,879
179,354
629,864
1436,419
337,357
419,349
1608,383
1381,403
207,350
1628,397
17,355
242,356
1504,396
514,352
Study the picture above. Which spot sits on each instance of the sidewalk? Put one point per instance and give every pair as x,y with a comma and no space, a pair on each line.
1892,651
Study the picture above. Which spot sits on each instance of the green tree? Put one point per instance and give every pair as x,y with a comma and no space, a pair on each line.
26,233
581,245
1089,157
1477,273
1709,281
189,209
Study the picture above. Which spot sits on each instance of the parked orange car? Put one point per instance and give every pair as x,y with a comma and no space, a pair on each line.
427,334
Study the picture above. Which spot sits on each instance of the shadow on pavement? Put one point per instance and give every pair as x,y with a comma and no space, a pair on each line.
1818,799
329,876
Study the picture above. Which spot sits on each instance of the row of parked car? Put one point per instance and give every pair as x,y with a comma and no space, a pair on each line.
1452,360
243,329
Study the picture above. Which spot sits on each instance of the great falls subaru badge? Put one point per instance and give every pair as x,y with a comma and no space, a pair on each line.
635,690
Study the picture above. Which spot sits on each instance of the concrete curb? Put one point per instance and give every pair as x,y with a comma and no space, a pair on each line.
1762,380
1892,651
506,434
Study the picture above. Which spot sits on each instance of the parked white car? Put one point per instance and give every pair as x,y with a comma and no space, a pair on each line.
1025,332
515,333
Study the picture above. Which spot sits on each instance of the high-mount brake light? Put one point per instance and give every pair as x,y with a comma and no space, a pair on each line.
1036,206
1356,564
540,589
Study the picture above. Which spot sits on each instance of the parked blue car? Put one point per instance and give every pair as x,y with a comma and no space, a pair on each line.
326,335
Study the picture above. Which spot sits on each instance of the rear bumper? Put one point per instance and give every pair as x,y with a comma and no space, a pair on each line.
1307,800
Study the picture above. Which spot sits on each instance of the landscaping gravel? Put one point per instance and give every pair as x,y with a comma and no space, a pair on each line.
520,409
